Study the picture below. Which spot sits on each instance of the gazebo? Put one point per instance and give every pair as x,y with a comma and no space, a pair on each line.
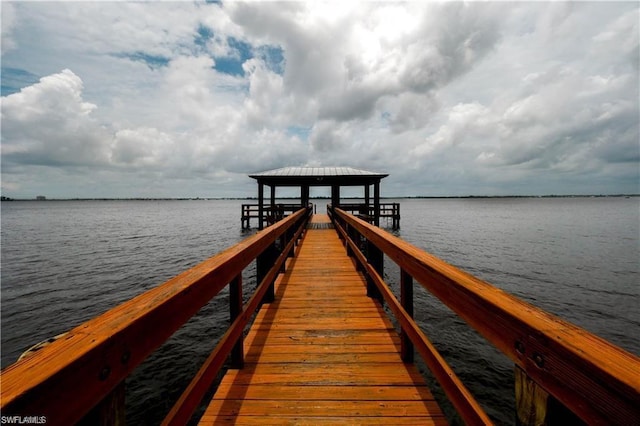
306,177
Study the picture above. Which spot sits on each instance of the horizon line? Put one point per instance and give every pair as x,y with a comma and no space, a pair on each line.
43,198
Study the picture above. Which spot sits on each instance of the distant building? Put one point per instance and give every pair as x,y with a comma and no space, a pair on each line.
41,198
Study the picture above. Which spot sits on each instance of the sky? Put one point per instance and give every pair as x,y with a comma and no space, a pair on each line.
185,99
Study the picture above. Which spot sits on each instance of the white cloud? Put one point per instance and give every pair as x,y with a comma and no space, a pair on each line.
347,61
50,124
141,147
445,97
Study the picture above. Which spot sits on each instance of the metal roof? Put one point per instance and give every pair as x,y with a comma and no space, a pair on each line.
294,172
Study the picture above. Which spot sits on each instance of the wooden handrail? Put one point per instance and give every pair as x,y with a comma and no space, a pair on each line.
595,379
266,212
458,394
65,380
202,381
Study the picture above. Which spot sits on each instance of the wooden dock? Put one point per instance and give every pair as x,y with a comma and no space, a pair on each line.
321,349
323,352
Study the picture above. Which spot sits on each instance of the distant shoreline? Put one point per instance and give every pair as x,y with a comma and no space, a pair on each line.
413,197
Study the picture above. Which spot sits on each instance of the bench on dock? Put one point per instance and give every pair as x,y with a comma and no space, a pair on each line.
321,348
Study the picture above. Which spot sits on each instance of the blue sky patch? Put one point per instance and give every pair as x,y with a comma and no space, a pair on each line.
299,131
239,52
204,35
14,79
273,56
152,61
229,65
233,64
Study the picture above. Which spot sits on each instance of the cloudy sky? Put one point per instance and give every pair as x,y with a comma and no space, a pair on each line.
184,99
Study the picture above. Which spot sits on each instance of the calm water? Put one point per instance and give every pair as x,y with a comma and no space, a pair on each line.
66,262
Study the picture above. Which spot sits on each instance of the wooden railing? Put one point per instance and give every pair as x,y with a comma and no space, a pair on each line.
65,380
368,212
555,361
271,214
274,213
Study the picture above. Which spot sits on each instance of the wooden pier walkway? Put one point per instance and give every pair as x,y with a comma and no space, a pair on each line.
323,352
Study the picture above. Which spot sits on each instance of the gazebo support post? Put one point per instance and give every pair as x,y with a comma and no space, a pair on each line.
376,203
274,215
335,196
367,198
304,195
260,204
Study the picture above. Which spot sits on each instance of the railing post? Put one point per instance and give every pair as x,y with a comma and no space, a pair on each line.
534,406
109,412
264,262
282,242
396,215
376,258
291,233
349,235
235,309
406,299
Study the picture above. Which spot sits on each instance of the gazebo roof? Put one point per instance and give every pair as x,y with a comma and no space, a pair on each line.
318,176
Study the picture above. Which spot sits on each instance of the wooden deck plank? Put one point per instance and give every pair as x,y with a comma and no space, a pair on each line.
229,390
373,324
318,337
284,313
288,347
322,353
316,358
293,420
316,408
331,371
313,379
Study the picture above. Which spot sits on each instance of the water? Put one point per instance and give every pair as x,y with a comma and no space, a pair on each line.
64,262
